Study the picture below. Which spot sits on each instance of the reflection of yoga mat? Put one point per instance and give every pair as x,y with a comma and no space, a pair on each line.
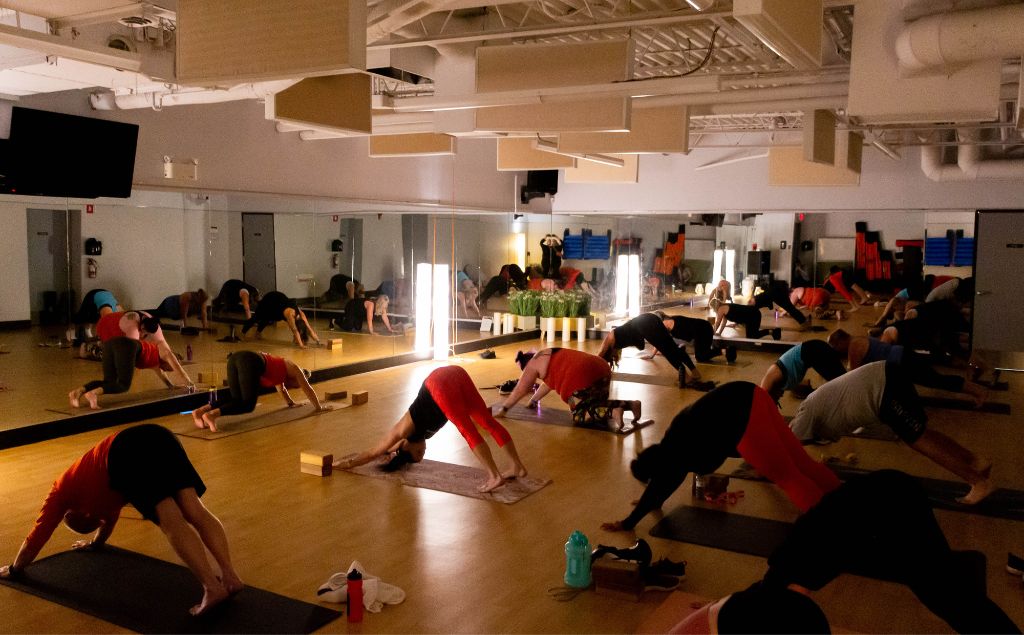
557,417
720,361
147,595
962,404
231,425
1002,503
651,380
454,479
722,530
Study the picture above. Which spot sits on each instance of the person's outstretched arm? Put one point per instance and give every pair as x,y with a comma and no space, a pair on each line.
289,319
523,386
388,443
168,356
539,394
306,387
309,328
720,321
654,496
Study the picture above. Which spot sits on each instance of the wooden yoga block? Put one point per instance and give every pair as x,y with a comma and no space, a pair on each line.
360,397
617,578
209,377
335,344
315,463
315,470
335,395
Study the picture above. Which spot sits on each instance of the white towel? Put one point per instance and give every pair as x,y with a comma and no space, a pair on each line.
376,593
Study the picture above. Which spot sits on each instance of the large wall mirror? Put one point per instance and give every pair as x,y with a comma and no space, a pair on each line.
339,263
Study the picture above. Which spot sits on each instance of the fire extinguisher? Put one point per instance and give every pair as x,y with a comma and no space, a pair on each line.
334,261
90,268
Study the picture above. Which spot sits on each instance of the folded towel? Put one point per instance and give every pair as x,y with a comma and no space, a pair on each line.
376,593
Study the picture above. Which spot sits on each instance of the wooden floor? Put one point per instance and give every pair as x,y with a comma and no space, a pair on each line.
472,566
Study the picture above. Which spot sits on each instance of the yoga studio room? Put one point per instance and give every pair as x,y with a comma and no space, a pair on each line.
534,317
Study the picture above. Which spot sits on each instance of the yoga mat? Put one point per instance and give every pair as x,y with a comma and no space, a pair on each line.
1002,503
147,595
651,380
722,530
720,361
765,344
963,404
558,417
454,479
231,425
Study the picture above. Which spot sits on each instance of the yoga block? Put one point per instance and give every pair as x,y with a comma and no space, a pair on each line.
336,395
209,377
360,397
312,457
315,470
617,578
335,344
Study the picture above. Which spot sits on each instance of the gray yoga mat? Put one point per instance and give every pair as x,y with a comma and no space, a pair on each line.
454,479
147,595
559,417
230,425
722,530
993,407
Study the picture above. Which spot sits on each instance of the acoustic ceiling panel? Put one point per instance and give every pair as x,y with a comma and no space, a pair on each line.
651,130
339,103
235,41
589,115
592,172
518,153
786,167
532,66
411,145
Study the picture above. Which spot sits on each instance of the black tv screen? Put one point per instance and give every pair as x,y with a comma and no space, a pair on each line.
53,154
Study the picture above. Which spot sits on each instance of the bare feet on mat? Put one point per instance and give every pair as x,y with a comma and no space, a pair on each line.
979,491
75,396
514,473
492,484
211,597
209,422
93,399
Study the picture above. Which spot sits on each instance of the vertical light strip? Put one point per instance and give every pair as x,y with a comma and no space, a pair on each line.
621,283
634,286
423,295
730,268
519,247
441,284
716,268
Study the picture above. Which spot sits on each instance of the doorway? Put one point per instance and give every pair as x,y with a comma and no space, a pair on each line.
999,259
259,265
48,266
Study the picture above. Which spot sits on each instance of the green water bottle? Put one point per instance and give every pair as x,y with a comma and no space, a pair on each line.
577,561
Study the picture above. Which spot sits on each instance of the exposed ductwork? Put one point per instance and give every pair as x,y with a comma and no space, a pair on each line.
936,42
969,165
187,96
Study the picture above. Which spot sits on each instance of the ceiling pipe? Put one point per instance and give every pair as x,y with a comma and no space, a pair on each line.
970,165
939,41
157,100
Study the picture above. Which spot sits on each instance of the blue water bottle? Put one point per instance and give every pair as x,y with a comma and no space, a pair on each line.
577,561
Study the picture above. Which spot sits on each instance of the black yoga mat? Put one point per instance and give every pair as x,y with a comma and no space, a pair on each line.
152,596
963,404
1002,503
722,530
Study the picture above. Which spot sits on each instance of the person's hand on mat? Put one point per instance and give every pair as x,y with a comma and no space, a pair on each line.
646,355
499,410
296,404
533,403
613,526
86,545
324,407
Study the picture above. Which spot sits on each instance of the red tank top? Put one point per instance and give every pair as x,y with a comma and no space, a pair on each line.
276,372
569,371
109,326
815,297
149,356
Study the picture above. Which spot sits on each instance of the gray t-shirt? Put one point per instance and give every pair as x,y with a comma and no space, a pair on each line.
842,405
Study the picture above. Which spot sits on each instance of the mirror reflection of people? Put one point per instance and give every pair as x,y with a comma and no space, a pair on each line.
276,307
248,373
645,328
179,307
144,466
95,304
466,292
447,394
236,294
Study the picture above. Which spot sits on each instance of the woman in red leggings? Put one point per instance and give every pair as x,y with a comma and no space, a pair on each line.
447,394
582,380
735,419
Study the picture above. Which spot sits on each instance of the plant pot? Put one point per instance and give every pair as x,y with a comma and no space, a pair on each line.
581,328
527,322
567,324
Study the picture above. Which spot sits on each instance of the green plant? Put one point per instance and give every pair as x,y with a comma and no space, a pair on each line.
549,304
524,302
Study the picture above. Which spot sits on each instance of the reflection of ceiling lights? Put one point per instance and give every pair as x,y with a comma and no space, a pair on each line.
550,146
137,21
700,5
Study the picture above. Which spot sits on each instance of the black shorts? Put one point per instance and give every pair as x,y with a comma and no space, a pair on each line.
901,407
147,464
427,416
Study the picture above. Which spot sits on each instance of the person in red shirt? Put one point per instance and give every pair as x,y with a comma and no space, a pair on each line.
582,380
447,394
248,373
146,467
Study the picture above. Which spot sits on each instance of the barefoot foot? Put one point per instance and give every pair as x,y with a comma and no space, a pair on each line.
210,422
211,598
978,492
74,396
93,399
514,473
492,484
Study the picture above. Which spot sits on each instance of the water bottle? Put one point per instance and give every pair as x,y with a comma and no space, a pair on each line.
188,352
355,596
698,486
213,396
577,561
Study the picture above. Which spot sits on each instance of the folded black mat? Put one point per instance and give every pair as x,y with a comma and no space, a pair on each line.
963,404
148,595
722,530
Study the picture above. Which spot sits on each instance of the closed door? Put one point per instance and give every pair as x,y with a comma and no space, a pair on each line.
259,266
47,263
999,259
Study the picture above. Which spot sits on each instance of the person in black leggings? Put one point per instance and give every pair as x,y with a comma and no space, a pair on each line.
882,525
748,316
778,293
234,295
510,277
275,307
644,328
699,332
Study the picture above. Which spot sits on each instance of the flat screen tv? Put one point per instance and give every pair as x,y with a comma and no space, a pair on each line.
53,154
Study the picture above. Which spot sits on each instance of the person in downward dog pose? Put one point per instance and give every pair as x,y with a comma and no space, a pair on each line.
447,394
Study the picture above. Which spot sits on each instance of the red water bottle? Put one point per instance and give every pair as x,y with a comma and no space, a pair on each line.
355,596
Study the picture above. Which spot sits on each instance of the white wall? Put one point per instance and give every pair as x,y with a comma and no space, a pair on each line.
769,231
298,252
382,249
14,247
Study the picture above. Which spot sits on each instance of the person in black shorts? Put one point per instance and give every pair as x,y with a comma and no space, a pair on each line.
234,295
644,328
146,467
778,293
699,332
275,307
